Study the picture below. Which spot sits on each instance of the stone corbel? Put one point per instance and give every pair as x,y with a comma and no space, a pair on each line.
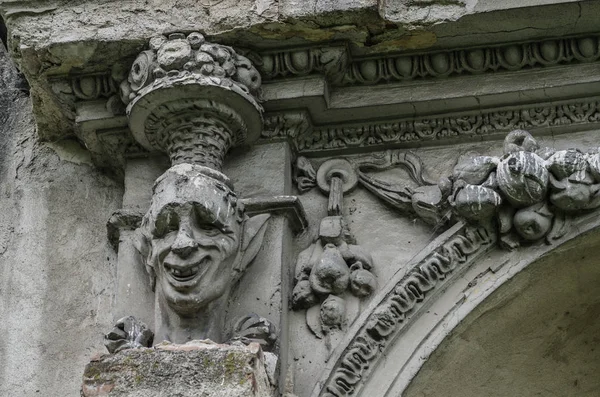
193,101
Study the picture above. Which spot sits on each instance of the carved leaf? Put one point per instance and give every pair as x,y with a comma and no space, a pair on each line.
142,245
254,233
306,177
475,170
415,168
400,197
253,328
128,333
560,227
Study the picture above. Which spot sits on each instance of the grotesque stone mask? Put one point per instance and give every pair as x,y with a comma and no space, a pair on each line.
192,237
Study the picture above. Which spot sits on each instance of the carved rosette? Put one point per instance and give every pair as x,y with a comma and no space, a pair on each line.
192,99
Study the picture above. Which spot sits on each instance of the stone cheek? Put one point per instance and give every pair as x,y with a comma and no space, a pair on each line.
180,370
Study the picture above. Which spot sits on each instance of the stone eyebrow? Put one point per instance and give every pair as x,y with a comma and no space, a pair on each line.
218,216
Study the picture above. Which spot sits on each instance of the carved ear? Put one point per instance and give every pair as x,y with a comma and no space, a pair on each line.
252,239
140,242
142,245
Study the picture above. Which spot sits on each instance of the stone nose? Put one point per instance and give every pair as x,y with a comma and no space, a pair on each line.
184,244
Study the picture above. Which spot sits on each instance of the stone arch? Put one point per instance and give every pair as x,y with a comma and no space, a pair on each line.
535,335
390,342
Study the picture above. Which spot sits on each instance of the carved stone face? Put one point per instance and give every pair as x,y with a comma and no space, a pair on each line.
193,227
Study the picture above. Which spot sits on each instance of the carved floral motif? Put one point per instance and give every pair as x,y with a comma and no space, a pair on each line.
530,193
315,139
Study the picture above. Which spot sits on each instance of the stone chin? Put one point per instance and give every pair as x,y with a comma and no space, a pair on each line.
187,295
191,284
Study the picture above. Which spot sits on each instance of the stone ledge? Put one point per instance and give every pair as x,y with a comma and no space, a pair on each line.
198,368
111,34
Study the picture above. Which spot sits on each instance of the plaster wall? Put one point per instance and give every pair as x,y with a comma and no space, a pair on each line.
56,268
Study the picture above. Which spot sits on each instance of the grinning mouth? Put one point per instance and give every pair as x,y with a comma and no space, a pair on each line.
186,273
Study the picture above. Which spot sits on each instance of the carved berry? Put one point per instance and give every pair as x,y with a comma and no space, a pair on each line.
331,274
362,282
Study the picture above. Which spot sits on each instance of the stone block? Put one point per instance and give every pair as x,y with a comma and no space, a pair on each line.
332,230
198,368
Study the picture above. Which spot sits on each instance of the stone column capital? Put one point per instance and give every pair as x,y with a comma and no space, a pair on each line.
192,99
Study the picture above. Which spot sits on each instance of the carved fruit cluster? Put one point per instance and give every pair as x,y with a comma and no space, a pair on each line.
530,190
330,267
179,56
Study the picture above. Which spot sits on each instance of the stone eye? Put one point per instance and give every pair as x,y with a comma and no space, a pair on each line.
166,223
209,229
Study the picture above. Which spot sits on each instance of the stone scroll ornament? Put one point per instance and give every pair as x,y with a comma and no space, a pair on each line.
194,100
333,272
531,193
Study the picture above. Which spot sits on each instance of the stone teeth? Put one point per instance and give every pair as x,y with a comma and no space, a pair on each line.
184,272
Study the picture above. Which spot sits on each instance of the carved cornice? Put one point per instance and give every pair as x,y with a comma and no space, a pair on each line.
292,120
432,64
478,60
341,68
296,127
412,132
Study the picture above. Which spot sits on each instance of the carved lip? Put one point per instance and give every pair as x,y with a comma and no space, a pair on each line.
186,276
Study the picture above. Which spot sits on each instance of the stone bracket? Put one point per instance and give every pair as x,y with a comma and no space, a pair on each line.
120,220
288,206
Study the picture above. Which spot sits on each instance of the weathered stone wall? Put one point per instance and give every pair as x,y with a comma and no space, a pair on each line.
56,268
61,284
